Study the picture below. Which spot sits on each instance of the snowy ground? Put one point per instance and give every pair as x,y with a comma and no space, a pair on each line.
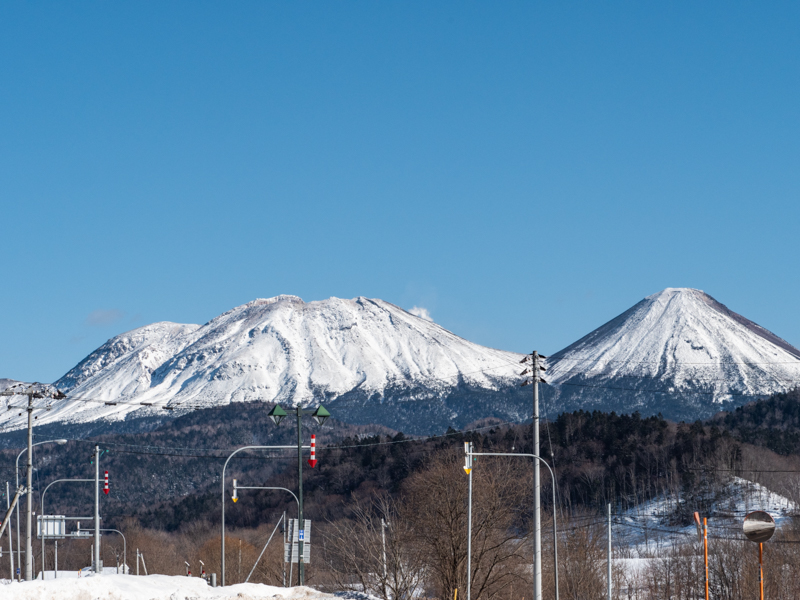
152,587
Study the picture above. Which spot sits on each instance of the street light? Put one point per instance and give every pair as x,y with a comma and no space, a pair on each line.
235,497
537,524
28,549
276,414
225,466
124,549
44,513
320,415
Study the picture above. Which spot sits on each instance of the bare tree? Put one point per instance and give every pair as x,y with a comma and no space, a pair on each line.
436,505
374,551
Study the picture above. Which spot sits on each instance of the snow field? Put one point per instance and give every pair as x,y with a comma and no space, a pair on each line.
152,587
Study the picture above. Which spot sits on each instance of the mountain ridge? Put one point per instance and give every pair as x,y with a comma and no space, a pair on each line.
285,350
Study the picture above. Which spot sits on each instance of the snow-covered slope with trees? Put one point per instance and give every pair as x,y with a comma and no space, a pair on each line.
678,352
277,350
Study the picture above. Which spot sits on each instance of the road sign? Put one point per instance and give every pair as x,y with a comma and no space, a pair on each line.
54,527
291,551
758,526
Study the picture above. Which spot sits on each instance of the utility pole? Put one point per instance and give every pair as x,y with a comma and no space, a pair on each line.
468,468
533,370
300,523
609,552
29,487
537,483
35,390
10,538
97,567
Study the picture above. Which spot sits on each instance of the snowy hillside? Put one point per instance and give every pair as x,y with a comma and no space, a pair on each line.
678,352
279,349
652,526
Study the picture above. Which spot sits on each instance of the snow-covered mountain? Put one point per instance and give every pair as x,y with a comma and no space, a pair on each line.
349,352
678,352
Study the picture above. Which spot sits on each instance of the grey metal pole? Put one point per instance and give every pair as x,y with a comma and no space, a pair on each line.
55,560
97,567
28,547
284,548
537,488
609,552
555,538
469,528
10,537
301,575
19,535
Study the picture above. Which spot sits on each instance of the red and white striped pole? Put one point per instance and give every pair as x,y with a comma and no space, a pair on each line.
313,462
105,484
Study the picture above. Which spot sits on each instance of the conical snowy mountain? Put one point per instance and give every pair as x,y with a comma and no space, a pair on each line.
377,361
678,352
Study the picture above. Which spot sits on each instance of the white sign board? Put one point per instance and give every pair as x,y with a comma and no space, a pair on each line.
54,527
291,551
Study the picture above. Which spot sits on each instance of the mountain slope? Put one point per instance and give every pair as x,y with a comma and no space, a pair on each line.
678,352
282,350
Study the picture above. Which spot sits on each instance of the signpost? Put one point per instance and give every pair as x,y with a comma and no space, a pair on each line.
759,527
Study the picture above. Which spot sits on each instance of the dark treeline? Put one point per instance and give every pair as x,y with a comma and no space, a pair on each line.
166,488
773,423
171,476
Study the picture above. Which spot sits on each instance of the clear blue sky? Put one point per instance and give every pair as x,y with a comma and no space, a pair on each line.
525,171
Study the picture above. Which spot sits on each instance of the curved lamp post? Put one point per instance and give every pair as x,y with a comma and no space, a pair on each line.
43,513
223,489
470,454
243,487
28,551
124,546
